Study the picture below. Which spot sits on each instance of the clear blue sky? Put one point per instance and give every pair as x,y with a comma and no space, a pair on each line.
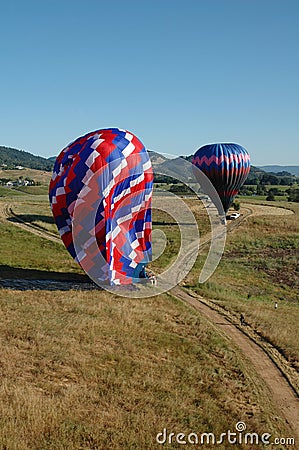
177,73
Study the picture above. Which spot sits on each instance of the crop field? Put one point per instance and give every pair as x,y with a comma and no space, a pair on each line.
87,369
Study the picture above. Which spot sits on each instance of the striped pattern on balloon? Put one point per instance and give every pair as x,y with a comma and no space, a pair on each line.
227,166
100,195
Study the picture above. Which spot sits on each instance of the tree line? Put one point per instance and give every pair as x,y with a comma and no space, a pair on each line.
11,157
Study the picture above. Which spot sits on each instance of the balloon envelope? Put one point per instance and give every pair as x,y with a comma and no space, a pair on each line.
100,194
227,166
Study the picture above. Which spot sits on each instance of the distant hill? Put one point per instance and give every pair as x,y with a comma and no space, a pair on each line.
294,170
11,158
257,175
156,158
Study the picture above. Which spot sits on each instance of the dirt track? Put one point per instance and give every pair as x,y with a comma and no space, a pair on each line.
274,376
7,213
283,395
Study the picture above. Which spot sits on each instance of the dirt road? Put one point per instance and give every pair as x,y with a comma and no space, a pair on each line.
6,212
283,395
271,372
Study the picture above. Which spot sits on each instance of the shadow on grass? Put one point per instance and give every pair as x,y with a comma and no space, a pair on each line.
31,218
32,279
171,223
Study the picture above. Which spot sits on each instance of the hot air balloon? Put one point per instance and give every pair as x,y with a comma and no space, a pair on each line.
227,167
100,194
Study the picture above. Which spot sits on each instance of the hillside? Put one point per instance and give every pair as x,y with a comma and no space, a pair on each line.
256,176
39,176
11,158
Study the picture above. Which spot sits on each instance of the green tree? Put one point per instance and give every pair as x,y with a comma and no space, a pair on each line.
293,195
260,189
236,206
270,197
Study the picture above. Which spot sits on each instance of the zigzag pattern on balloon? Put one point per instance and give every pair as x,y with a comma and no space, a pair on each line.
223,160
223,168
106,178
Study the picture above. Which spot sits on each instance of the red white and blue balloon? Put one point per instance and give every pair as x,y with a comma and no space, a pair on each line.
100,195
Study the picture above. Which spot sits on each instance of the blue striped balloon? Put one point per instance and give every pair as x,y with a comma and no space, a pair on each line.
227,166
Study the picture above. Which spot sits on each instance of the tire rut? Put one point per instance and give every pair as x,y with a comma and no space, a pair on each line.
281,392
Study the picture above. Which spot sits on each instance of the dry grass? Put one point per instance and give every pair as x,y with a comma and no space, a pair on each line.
41,176
86,370
89,370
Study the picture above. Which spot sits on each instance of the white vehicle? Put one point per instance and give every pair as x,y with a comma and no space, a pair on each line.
234,216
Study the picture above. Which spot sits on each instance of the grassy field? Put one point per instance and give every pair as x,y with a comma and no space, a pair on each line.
23,252
34,190
90,370
260,267
87,370
261,199
9,192
36,210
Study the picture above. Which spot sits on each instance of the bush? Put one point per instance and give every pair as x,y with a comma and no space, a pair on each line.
270,197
